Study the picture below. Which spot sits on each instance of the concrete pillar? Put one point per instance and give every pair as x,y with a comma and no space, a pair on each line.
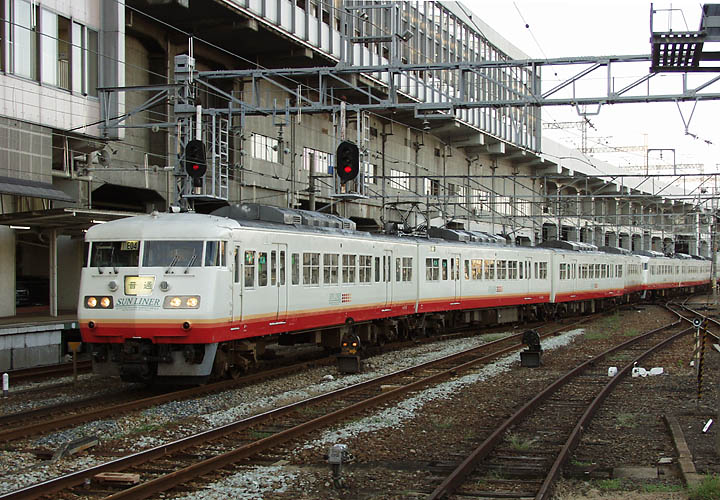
112,64
7,276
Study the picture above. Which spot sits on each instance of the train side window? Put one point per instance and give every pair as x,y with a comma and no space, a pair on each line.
215,254
432,269
273,268
249,268
348,271
407,268
512,270
295,268
387,273
444,269
377,269
282,267
537,275
489,269
467,269
262,269
365,274
311,268
398,269
238,263
384,268
476,269
562,271
528,270
543,270
330,268
520,270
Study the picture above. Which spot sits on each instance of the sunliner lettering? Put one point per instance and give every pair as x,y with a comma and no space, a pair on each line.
137,302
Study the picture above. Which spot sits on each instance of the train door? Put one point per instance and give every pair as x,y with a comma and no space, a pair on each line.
237,285
455,275
387,276
527,275
278,278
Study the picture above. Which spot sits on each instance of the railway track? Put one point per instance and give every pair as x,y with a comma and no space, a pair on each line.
28,423
523,456
184,460
48,371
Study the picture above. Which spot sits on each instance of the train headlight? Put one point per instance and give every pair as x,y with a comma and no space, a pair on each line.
182,302
92,302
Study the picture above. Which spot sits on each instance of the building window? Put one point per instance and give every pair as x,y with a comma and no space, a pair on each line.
399,179
370,173
92,53
50,48
264,148
55,49
320,160
24,39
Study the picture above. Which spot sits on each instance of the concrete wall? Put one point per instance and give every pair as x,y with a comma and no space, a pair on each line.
25,350
7,271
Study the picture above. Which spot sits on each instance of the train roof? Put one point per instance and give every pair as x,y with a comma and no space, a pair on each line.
575,246
162,225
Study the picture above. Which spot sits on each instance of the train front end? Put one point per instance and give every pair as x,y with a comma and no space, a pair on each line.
154,296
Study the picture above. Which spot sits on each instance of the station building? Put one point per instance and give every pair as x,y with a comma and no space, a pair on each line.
86,134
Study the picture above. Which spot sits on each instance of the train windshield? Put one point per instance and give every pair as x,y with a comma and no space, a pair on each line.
115,254
179,253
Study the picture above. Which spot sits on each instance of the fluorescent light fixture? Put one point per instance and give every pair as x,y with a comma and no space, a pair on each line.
98,221
19,227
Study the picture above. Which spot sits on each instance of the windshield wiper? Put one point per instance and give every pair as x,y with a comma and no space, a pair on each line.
112,260
192,261
172,264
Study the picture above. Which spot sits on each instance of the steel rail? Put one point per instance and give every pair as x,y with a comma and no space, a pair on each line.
160,484
467,466
23,374
574,439
115,410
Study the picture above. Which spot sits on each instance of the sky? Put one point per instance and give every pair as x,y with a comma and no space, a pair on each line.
557,28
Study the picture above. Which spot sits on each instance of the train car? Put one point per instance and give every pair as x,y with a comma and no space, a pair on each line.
181,297
663,274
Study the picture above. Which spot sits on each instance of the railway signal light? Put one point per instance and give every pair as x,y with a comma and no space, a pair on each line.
195,164
347,159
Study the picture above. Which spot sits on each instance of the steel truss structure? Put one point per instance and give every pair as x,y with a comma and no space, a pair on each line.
468,89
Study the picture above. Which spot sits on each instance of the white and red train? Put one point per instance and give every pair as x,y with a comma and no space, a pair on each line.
185,296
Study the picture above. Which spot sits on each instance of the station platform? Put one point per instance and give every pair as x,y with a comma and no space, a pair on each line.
34,338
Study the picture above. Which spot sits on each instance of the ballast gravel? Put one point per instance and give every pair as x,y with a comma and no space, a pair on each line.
171,421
